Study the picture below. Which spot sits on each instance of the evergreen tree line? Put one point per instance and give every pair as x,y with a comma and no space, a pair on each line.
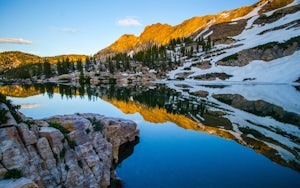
29,70
155,57
206,44
152,57
119,62
45,68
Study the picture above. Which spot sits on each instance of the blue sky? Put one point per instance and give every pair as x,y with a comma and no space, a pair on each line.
55,27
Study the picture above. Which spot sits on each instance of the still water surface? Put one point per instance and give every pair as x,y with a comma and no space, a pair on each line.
168,155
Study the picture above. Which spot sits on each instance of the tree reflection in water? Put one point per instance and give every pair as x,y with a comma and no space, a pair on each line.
161,104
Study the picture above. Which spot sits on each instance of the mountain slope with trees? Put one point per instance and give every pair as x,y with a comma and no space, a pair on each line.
15,58
222,51
161,34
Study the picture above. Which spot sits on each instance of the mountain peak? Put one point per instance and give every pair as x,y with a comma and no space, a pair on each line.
161,34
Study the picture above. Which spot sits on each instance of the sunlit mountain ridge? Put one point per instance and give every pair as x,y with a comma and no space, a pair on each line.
161,34
15,58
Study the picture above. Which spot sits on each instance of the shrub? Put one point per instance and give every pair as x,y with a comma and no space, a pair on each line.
231,57
112,81
180,78
12,108
3,117
59,127
13,174
283,45
266,46
29,122
289,42
55,156
72,143
79,164
67,168
62,152
98,126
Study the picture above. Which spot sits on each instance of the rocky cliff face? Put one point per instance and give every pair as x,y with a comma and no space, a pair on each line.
63,151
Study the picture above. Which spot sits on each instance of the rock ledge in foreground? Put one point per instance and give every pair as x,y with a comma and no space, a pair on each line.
64,151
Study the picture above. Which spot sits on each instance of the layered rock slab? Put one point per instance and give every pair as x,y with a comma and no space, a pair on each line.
80,153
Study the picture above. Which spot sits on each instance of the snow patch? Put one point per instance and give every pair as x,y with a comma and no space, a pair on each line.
254,12
250,22
296,2
201,33
208,34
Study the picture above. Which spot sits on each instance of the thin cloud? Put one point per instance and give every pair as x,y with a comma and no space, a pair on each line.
15,41
65,29
68,30
33,105
128,22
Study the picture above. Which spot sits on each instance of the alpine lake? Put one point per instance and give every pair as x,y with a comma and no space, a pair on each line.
209,136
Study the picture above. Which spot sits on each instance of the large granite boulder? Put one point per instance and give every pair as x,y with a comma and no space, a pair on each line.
78,151
13,153
28,136
54,137
71,122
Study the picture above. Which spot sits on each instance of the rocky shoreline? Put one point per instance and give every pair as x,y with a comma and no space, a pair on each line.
120,78
79,150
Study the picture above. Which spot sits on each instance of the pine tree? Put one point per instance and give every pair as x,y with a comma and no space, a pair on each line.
39,69
191,51
79,66
127,65
111,67
81,79
118,66
47,69
87,80
163,66
183,51
208,43
59,68
67,65
72,66
87,64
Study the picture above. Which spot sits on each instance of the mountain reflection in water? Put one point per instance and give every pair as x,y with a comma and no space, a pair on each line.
230,116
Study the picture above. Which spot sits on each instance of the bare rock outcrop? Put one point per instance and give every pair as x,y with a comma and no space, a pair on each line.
266,52
20,183
63,151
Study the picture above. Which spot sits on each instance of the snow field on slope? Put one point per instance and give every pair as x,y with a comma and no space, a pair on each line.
249,39
239,118
254,12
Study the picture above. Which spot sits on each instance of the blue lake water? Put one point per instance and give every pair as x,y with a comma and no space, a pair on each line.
171,156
